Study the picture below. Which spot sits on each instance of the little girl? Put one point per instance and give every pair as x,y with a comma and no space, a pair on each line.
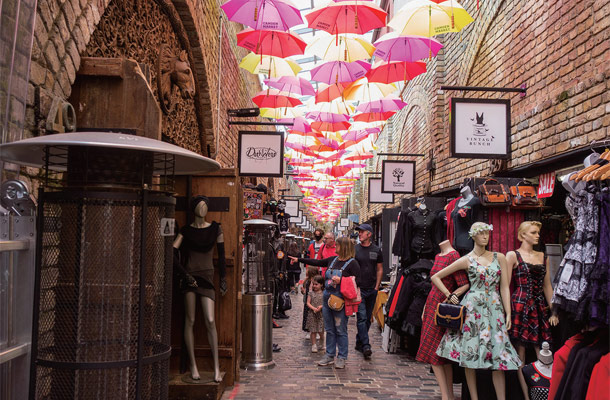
305,290
315,323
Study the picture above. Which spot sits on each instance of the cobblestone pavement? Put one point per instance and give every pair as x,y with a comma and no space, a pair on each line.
296,375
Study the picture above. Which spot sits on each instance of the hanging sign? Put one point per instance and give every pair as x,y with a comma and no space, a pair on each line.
260,154
397,176
480,128
546,185
292,207
376,196
344,222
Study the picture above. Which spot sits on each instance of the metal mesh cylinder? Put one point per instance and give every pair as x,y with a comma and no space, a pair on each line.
102,312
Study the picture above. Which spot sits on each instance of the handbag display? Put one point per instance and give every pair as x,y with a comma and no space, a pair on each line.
494,194
335,303
284,302
450,316
524,195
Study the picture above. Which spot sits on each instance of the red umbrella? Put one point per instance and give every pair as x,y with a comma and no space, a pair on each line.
271,43
395,71
374,116
331,92
274,100
330,126
359,157
347,17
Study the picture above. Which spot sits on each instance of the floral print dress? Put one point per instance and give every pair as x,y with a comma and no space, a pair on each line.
483,342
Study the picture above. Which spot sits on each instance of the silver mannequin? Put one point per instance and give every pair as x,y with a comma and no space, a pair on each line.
207,305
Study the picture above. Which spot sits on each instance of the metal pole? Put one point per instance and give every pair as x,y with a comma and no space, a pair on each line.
485,89
142,294
401,154
219,81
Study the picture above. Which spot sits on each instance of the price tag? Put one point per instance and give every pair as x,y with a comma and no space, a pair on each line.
566,274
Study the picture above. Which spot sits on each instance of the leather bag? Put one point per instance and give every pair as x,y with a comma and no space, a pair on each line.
494,194
450,316
336,303
524,195
284,302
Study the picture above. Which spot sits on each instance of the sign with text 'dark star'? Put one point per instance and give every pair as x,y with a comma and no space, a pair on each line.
480,128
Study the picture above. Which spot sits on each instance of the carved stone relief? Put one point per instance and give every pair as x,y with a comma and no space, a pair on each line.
139,29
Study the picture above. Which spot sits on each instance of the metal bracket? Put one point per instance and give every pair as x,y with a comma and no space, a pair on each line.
522,89
24,228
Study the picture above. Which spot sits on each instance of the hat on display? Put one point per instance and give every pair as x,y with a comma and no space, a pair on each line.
261,188
364,227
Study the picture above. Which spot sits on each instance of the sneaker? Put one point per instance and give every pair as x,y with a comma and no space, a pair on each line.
282,316
326,360
276,325
340,363
358,347
367,352
314,348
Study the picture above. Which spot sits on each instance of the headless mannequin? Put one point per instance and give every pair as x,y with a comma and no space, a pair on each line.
466,196
481,255
207,305
572,186
538,386
529,238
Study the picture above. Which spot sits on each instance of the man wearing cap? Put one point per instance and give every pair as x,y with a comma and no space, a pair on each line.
370,258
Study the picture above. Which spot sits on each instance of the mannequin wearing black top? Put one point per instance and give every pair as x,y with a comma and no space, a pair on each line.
421,231
463,216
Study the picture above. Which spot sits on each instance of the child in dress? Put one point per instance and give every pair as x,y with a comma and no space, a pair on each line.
305,290
315,323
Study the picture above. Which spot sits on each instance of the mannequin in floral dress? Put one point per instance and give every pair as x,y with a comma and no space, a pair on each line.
483,341
531,316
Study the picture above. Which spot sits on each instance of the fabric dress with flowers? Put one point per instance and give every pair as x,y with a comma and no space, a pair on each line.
483,342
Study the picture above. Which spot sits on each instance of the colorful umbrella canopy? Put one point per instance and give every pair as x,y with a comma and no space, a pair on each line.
271,43
359,156
327,116
263,14
330,92
393,47
374,116
277,113
358,135
340,71
364,90
337,106
269,65
383,105
347,17
426,18
330,126
299,124
292,84
341,48
274,99
395,71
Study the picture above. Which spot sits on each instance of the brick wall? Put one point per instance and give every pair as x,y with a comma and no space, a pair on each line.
560,50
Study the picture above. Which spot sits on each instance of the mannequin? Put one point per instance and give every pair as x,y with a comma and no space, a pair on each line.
538,374
463,216
421,234
532,297
195,243
282,219
431,334
483,341
466,194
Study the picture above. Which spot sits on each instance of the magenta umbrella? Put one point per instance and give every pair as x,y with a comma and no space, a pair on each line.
292,84
271,43
347,17
340,71
326,116
263,14
392,47
357,135
383,105
298,124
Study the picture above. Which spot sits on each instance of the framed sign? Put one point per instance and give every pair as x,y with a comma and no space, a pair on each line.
292,207
397,176
260,153
344,223
295,217
480,128
376,196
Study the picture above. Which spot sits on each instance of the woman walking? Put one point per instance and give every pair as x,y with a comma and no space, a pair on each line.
335,322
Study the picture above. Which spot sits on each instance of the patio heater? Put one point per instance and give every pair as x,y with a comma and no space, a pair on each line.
257,301
101,326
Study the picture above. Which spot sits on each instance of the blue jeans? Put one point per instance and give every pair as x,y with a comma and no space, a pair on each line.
365,312
335,325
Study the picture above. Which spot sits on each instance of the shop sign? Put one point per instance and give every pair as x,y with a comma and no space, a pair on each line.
397,176
344,222
292,207
480,128
546,185
260,154
376,196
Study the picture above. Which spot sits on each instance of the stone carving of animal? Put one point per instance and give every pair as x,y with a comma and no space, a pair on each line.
173,70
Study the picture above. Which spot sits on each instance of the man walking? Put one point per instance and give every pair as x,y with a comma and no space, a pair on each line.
370,258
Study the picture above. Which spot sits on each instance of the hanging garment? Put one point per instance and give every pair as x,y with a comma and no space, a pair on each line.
572,279
504,236
400,240
537,383
599,293
420,235
559,362
430,333
529,309
483,342
598,385
463,217
441,226
448,210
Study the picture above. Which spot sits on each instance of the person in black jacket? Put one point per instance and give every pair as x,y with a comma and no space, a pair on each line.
335,322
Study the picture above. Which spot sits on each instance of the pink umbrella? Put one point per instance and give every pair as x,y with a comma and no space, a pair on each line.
271,43
347,17
330,126
299,124
357,157
292,84
329,142
323,192
395,71
361,134
326,116
274,100
263,14
383,105
392,47
340,71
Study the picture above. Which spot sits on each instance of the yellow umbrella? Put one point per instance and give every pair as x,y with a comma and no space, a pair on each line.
269,65
427,18
363,90
341,48
278,113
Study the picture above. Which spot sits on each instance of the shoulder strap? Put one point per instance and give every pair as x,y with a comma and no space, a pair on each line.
519,258
346,263
332,263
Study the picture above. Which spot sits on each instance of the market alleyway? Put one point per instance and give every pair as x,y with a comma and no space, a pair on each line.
296,375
